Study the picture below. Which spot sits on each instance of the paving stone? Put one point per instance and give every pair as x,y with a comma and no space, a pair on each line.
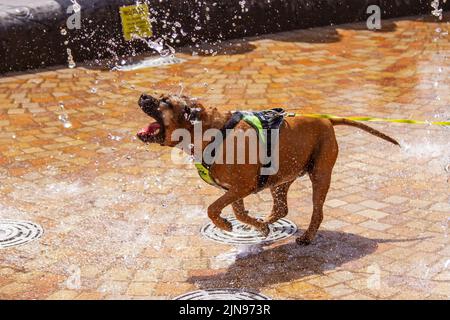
375,225
372,204
334,224
63,295
372,214
141,288
335,203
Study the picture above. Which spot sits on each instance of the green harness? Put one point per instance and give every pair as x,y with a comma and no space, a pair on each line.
259,121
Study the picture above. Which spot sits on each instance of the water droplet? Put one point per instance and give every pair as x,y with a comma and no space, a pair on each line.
437,12
64,118
70,61
113,137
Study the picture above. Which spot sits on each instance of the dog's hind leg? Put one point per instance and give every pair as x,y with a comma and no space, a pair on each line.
320,176
280,206
242,215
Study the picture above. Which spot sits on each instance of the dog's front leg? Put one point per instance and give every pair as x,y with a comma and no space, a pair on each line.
215,209
242,215
280,206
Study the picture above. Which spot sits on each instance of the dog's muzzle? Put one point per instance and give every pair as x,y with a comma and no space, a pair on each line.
148,104
155,131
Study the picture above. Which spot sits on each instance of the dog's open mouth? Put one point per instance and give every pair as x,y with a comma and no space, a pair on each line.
154,132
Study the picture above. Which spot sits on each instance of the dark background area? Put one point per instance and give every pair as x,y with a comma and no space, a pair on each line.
30,36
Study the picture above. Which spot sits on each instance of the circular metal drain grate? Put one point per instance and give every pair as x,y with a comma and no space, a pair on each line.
16,232
222,294
245,235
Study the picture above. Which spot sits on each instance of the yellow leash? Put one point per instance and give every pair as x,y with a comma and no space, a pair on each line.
370,119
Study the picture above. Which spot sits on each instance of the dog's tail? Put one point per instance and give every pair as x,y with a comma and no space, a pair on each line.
347,122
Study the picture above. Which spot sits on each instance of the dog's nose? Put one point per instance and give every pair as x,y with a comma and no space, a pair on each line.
144,97
147,101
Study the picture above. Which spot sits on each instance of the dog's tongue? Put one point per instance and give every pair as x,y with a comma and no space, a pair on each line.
150,129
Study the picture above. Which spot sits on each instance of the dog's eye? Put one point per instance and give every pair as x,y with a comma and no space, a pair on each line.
165,104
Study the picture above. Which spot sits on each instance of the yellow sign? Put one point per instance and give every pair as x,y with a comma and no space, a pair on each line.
136,21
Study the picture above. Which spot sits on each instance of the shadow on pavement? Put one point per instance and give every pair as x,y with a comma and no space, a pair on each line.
290,262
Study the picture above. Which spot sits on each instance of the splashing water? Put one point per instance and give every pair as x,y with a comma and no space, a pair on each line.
437,152
70,61
437,12
158,45
114,138
242,4
65,120
64,117
226,259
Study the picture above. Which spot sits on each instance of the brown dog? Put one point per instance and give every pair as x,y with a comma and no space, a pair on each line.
306,145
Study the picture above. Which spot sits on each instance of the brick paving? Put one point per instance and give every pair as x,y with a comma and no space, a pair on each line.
122,221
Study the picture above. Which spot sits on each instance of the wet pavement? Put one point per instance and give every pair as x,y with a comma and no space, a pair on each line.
121,220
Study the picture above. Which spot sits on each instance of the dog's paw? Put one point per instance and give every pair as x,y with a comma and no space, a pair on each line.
303,240
224,225
264,229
